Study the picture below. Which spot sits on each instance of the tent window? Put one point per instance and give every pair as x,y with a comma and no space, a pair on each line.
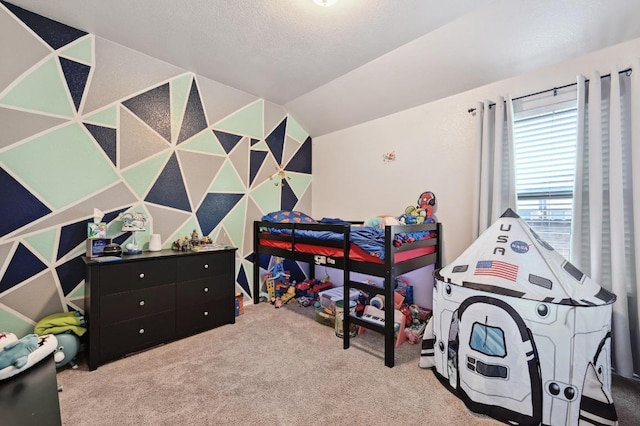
488,340
545,136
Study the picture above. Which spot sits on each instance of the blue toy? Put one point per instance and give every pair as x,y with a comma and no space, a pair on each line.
67,349
17,353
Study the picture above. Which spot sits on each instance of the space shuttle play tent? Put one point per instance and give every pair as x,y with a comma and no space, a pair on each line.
520,334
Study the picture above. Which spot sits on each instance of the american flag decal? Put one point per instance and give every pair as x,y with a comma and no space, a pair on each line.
497,268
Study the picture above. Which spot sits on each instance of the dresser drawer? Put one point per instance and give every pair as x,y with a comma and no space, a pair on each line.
205,316
120,307
205,290
117,278
205,265
134,335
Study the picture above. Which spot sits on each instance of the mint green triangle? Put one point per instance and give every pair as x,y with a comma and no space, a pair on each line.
267,196
261,146
82,50
248,121
204,142
43,90
62,166
214,234
295,130
141,177
227,180
79,293
234,223
13,324
180,88
299,182
43,243
107,117
185,231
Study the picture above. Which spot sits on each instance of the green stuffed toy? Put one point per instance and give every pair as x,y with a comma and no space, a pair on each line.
17,353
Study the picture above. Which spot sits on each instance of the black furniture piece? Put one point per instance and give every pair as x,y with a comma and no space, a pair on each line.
296,244
31,397
151,298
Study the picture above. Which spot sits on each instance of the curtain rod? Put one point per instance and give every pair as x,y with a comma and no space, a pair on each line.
554,89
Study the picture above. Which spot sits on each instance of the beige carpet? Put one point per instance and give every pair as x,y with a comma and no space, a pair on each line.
273,367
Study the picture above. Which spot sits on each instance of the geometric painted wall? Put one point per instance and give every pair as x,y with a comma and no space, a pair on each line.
86,123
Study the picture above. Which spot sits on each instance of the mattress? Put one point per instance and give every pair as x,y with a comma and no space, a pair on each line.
355,253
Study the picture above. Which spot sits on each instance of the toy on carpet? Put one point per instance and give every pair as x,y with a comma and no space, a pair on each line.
67,327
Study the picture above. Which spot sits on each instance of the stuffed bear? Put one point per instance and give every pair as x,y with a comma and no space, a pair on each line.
16,353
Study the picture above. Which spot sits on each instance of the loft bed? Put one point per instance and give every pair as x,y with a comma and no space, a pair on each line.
332,245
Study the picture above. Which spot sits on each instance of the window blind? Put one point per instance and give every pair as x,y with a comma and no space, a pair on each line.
545,158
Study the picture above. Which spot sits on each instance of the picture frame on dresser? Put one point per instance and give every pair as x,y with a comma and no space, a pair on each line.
152,298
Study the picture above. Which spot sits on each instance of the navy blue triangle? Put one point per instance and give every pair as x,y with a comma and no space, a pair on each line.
249,257
214,208
242,279
106,138
288,200
23,265
194,120
154,108
301,161
76,75
75,233
227,140
275,140
169,188
120,239
254,141
18,207
71,274
295,272
54,33
255,161
264,261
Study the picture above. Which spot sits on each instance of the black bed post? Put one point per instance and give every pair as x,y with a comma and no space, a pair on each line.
346,300
256,264
389,309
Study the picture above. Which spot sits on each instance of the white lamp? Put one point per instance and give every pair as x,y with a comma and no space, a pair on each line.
133,222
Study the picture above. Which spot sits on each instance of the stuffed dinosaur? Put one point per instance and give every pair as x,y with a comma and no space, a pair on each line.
16,353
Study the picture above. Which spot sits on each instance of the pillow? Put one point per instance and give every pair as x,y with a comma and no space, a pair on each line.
288,216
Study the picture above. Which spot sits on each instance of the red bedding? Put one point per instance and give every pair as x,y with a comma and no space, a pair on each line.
356,253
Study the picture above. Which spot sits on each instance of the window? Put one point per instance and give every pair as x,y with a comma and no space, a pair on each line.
545,160
488,340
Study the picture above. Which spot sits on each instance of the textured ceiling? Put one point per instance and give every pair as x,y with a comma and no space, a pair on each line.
360,59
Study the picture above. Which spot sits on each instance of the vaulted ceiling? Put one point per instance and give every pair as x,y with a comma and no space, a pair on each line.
358,60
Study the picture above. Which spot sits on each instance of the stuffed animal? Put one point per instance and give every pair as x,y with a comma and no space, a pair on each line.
16,353
381,221
423,213
66,350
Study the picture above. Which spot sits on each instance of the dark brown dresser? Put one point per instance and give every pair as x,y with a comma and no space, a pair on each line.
151,298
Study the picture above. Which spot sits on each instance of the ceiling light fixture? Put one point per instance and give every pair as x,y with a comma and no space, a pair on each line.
325,3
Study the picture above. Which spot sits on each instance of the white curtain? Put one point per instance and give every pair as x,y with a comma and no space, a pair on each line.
605,243
495,190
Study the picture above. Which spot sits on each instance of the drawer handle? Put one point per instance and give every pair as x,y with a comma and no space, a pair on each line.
141,275
206,313
141,331
141,303
206,266
206,289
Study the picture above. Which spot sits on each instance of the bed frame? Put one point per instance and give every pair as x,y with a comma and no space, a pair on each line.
389,270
